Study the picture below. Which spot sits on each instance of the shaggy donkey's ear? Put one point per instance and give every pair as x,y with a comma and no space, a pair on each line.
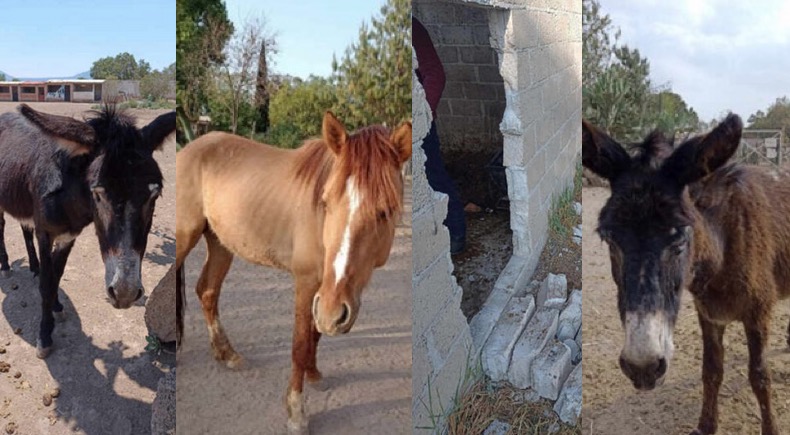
158,130
76,137
401,140
334,133
602,154
699,156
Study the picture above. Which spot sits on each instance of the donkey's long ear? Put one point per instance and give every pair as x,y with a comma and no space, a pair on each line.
155,133
401,140
76,137
334,133
702,155
602,154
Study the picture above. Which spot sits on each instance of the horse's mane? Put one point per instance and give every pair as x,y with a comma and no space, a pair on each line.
366,155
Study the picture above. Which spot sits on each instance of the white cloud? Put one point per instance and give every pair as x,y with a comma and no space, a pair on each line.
717,54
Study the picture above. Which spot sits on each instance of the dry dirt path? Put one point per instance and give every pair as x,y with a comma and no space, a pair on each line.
613,406
367,371
107,380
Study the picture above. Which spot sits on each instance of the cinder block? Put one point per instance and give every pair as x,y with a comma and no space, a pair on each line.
499,346
455,35
431,288
446,325
550,369
539,331
569,403
466,108
433,236
553,291
571,317
477,54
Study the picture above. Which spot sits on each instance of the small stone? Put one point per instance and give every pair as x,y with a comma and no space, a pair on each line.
14,286
10,427
47,399
55,392
497,428
2,350
4,367
18,375
577,232
17,331
577,208
472,278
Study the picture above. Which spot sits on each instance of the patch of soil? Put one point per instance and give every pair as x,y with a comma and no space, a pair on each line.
489,240
612,405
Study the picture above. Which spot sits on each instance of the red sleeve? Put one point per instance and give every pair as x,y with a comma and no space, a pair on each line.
430,70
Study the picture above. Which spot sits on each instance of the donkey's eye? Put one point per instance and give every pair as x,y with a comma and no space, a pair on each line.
605,235
98,193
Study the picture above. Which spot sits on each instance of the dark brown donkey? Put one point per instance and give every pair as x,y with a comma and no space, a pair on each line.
58,175
686,217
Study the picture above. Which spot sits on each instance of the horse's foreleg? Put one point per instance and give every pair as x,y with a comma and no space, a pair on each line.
48,287
5,268
303,353
218,261
759,374
27,233
712,375
59,258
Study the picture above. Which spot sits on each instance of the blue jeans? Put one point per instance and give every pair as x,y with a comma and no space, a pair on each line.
440,181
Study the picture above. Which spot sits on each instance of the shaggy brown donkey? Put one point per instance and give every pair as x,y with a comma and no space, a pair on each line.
686,217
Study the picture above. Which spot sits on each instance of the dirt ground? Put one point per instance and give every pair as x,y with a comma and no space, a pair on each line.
613,406
107,380
367,371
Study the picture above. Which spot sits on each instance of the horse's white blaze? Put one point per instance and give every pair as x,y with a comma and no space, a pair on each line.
341,259
648,337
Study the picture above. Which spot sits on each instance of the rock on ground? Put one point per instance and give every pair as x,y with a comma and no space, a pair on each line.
553,291
550,369
160,308
571,317
497,428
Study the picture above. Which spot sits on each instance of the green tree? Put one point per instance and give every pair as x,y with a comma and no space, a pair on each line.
2,77
156,85
300,104
121,67
202,30
373,77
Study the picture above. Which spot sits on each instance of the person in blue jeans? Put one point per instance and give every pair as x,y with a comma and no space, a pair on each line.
430,73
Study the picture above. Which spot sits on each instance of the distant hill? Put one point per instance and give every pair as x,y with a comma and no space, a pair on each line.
86,75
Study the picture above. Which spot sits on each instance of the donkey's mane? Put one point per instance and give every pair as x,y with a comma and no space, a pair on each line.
652,151
116,129
366,155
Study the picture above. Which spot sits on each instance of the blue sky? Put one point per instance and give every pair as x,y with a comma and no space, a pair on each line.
717,54
307,31
64,37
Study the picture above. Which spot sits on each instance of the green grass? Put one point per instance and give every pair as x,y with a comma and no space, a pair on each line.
562,217
142,104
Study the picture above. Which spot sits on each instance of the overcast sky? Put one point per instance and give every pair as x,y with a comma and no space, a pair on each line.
719,55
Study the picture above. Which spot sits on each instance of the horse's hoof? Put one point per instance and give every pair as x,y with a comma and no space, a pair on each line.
5,273
42,352
235,362
60,316
297,429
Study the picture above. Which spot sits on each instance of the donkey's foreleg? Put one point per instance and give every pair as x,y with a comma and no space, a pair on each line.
27,233
218,261
712,375
5,268
59,258
48,287
759,374
303,354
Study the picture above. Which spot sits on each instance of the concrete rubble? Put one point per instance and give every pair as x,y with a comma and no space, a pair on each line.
536,345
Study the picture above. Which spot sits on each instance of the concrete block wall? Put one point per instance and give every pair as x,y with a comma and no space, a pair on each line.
538,57
473,100
442,350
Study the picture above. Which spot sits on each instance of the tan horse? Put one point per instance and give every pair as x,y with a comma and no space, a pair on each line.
326,212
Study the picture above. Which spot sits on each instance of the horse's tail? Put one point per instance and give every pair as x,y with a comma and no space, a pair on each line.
180,305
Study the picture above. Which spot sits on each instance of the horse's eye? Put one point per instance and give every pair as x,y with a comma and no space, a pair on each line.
382,215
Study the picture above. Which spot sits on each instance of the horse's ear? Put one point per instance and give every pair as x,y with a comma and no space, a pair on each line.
76,137
401,140
602,154
699,156
334,133
158,130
